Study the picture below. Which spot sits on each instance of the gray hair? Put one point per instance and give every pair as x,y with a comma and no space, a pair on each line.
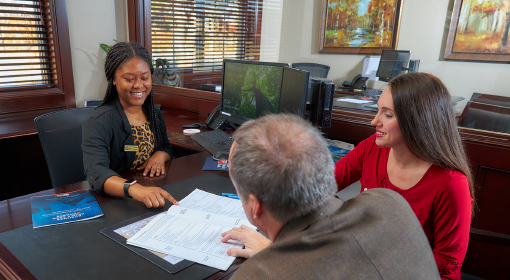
285,162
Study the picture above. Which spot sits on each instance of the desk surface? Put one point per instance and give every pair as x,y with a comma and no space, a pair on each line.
15,213
342,105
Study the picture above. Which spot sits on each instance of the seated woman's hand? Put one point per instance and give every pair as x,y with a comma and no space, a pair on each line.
155,165
151,196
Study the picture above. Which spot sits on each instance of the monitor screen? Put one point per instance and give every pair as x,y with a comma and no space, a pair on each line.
392,63
294,91
251,89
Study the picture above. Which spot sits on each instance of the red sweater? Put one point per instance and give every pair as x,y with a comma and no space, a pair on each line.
441,201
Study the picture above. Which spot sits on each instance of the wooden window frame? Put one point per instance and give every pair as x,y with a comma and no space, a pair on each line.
19,106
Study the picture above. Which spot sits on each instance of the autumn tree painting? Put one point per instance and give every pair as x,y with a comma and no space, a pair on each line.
483,27
360,23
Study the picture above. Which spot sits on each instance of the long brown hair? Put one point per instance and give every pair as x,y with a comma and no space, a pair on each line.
427,121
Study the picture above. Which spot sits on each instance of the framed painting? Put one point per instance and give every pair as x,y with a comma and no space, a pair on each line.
479,31
359,26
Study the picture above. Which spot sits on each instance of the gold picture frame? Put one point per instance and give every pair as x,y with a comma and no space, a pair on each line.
359,26
477,31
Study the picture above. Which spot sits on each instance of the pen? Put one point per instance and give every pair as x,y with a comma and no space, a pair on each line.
230,195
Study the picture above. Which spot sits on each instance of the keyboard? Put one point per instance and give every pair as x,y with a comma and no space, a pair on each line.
214,141
371,92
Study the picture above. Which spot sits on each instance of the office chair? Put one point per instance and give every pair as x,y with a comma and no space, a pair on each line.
60,135
487,112
316,70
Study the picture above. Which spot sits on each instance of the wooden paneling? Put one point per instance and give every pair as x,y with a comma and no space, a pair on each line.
62,45
19,106
487,260
139,19
192,80
350,126
22,123
492,198
13,103
488,252
201,102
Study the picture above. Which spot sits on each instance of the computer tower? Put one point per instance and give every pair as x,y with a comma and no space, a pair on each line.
309,95
322,102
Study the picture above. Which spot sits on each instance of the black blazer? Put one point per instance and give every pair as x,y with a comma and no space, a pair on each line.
104,135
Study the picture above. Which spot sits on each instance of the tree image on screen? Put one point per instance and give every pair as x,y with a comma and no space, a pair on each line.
251,90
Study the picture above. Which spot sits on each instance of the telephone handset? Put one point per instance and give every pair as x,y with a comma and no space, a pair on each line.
216,120
357,83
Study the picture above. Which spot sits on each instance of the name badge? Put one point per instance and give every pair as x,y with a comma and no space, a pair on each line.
130,148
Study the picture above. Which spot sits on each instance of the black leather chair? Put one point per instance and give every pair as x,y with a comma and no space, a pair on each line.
316,70
60,135
487,112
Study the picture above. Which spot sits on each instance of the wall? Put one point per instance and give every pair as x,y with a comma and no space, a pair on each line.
424,27
271,30
93,22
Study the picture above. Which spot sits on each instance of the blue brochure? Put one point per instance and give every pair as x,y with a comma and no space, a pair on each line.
212,164
49,210
338,149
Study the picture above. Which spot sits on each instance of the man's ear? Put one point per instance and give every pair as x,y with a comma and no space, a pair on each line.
256,206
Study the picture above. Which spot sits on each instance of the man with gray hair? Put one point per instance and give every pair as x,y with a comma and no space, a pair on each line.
284,175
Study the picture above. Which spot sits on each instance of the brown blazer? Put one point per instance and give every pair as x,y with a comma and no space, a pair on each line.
373,236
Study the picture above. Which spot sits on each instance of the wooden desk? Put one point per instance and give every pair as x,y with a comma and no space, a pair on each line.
16,212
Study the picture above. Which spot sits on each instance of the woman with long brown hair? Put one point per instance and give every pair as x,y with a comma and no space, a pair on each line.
417,151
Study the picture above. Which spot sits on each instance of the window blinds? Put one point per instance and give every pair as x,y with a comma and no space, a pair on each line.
196,35
26,54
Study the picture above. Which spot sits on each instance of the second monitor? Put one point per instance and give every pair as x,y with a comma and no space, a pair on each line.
392,63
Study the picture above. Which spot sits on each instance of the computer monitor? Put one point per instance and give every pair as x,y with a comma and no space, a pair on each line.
294,90
250,89
392,63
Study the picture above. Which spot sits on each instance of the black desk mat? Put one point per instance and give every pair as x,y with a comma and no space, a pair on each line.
80,251
144,253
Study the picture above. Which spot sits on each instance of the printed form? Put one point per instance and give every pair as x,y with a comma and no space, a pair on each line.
192,230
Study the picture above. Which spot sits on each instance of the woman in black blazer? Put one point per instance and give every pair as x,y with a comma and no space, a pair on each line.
127,132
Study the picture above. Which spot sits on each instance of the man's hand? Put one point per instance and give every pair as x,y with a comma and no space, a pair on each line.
254,241
151,196
155,165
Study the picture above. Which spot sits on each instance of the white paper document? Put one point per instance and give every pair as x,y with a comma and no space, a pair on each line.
352,100
130,230
193,229
370,66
